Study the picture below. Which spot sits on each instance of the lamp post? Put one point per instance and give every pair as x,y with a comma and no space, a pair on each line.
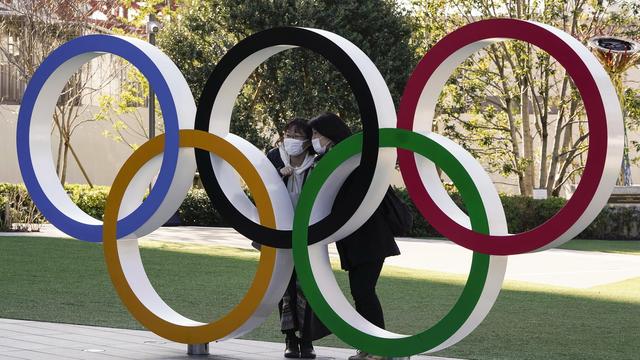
617,55
152,29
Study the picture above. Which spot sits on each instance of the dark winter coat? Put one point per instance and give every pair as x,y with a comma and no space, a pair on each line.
298,312
372,241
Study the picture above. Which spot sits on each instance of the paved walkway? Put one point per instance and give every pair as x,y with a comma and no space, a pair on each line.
31,340
567,268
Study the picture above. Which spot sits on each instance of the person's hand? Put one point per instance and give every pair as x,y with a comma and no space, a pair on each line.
286,171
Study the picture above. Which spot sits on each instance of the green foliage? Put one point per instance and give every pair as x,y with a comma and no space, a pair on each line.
143,10
296,82
123,111
196,210
23,211
197,40
632,113
523,213
90,200
421,228
17,211
483,103
614,222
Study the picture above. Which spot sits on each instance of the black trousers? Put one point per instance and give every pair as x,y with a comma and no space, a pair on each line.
362,280
296,314
294,310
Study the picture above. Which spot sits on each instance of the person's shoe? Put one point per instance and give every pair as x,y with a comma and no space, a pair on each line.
306,350
292,348
360,355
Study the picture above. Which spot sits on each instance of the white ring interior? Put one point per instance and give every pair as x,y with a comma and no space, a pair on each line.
425,109
322,272
128,251
42,157
137,278
221,118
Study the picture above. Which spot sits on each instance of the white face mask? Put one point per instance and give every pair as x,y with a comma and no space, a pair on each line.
319,149
294,147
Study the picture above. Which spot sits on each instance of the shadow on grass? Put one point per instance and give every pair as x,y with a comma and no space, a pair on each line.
66,281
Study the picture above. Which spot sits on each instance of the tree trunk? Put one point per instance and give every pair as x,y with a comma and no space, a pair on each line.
544,139
567,143
77,159
60,142
552,178
527,140
513,131
65,155
543,114
514,146
553,168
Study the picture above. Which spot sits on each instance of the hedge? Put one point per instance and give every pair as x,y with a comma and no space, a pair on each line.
523,213
196,209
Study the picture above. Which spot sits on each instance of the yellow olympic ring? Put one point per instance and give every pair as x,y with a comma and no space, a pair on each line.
185,331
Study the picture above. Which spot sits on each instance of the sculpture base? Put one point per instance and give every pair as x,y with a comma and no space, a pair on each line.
198,349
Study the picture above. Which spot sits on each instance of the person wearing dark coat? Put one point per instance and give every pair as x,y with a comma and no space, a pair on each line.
294,158
362,253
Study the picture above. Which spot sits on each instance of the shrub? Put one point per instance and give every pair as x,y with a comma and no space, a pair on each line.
18,213
614,223
196,210
523,213
4,225
90,200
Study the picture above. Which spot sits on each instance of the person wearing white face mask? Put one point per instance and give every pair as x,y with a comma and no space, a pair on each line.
362,253
320,143
294,158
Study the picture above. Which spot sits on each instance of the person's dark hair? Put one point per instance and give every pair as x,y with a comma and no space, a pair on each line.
331,126
301,124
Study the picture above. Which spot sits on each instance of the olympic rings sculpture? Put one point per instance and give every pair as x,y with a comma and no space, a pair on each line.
301,236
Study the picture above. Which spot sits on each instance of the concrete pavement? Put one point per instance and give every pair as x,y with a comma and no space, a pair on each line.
31,340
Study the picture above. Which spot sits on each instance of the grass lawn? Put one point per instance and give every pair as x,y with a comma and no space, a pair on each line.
616,247
66,281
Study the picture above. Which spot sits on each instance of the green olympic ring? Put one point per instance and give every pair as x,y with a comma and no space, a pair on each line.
398,345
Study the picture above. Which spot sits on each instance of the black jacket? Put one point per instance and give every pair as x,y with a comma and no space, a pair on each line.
372,241
313,328
274,156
